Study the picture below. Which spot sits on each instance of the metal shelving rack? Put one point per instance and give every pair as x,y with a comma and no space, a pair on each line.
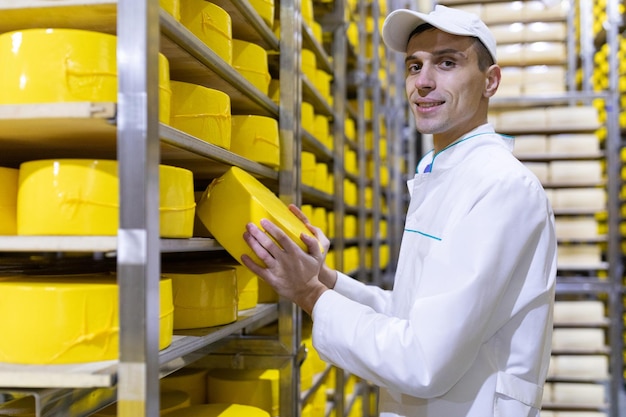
130,132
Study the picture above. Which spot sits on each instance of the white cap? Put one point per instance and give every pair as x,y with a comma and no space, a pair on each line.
400,23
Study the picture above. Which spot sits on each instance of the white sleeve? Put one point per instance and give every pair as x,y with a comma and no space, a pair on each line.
369,295
494,265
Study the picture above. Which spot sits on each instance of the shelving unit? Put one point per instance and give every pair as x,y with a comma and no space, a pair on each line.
130,132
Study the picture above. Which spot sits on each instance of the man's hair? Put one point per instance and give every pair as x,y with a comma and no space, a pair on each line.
484,57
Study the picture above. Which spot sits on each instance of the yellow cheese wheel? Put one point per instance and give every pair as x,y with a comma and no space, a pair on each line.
308,164
307,114
254,387
211,24
323,82
169,401
265,9
8,201
236,199
192,381
247,286
219,410
250,60
201,112
309,64
65,65
81,198
203,296
267,293
172,7
57,320
256,138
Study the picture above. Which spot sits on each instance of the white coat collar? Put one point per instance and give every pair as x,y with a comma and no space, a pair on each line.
453,153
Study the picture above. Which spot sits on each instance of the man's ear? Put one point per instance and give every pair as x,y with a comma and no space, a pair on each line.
492,80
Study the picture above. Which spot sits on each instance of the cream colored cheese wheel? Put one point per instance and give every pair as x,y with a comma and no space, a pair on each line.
576,227
576,172
192,381
578,393
65,65
254,387
201,112
250,60
203,296
575,143
572,117
219,410
211,24
265,9
256,138
531,145
582,199
579,311
8,201
236,199
581,338
75,320
81,198
168,401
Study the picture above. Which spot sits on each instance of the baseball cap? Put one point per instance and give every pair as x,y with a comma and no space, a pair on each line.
400,23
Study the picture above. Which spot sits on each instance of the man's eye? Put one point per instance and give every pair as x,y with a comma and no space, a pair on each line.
447,64
413,68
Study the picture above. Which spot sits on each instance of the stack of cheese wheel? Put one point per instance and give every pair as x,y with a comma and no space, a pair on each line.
65,65
81,197
309,64
204,296
265,9
8,201
211,24
256,138
190,380
168,401
73,319
201,112
219,410
250,60
237,198
254,387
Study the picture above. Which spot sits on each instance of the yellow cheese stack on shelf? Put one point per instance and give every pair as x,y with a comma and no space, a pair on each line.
265,9
323,81
8,201
81,198
211,24
190,380
201,112
237,198
256,138
203,296
59,320
168,401
247,287
219,410
307,116
250,60
172,7
65,65
309,64
253,387
308,164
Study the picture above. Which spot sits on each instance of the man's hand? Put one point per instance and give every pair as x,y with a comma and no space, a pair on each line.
292,272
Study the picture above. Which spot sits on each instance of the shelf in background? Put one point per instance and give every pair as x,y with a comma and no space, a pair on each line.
104,373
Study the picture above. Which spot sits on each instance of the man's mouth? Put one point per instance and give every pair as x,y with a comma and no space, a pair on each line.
429,104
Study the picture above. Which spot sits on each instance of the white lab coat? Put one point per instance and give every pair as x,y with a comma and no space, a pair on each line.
467,329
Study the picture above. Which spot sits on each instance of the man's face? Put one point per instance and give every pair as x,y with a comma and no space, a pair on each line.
445,87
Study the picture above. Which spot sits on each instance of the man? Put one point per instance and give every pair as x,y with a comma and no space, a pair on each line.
466,330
